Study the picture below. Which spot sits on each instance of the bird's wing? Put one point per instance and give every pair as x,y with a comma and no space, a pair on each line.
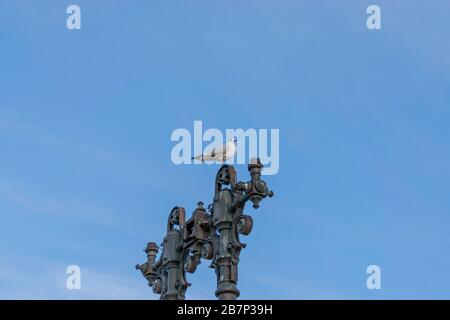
210,157
221,149
228,150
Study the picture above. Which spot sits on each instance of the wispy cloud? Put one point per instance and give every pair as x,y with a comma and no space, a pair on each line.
116,164
16,194
25,278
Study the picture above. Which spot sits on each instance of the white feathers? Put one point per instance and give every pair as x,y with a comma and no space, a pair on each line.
220,153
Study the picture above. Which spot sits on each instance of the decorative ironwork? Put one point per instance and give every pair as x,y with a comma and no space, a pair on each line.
211,234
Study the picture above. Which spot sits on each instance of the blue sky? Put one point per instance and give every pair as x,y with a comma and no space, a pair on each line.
86,117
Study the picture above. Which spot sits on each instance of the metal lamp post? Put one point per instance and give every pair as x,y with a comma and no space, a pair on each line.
212,235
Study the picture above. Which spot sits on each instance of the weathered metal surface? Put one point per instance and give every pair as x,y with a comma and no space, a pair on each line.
212,235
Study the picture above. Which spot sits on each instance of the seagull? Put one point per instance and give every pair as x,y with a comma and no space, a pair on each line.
224,152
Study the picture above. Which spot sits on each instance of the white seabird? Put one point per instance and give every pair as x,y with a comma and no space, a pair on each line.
221,153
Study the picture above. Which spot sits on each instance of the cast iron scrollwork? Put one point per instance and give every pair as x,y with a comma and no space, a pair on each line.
211,234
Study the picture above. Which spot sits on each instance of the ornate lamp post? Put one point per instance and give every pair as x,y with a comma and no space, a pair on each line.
212,236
